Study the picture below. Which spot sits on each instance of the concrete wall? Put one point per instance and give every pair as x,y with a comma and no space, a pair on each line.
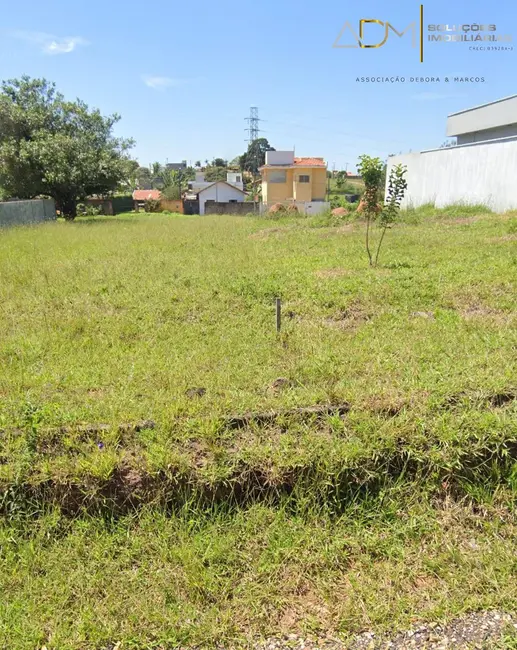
229,208
171,205
473,173
279,157
481,118
18,213
220,192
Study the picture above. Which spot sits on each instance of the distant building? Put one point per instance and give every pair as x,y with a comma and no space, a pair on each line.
141,196
220,192
232,178
176,166
301,181
235,178
485,122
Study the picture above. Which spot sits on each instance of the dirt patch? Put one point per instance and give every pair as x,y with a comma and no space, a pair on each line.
494,400
267,232
304,413
349,318
280,384
332,273
504,238
478,311
199,453
423,314
347,227
98,393
465,221
196,391
386,407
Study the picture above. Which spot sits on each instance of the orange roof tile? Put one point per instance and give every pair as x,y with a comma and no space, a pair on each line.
144,195
310,162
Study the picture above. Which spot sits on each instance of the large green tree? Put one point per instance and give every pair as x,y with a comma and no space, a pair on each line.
215,173
53,147
255,156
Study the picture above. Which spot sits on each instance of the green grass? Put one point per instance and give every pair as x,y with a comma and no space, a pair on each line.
157,581
197,532
351,186
454,210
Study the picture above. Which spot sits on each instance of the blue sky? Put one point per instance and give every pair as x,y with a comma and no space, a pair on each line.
183,75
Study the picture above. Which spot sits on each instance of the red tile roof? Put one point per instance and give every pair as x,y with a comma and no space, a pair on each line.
143,195
310,162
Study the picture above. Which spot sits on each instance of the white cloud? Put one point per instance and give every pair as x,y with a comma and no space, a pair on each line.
49,43
63,45
160,83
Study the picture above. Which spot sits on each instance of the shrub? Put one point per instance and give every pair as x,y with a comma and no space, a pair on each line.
88,210
172,193
372,171
152,205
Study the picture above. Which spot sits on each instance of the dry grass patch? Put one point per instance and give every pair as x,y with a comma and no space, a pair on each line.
351,317
486,313
266,233
333,273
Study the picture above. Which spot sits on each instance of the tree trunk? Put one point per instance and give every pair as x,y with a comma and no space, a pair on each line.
68,207
379,246
368,238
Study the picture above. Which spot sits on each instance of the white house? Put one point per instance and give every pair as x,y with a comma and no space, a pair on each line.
480,168
220,192
233,178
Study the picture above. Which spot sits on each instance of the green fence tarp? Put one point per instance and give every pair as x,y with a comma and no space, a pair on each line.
19,213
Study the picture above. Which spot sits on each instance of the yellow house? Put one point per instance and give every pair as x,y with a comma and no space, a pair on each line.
286,178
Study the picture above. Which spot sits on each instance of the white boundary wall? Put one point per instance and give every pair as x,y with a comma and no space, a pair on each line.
482,172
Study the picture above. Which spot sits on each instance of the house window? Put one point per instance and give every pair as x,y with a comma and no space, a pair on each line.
277,176
303,178
237,179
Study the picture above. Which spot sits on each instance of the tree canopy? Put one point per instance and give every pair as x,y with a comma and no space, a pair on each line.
53,147
255,156
215,173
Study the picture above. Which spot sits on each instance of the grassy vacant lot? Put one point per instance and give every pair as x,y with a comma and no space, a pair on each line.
351,186
135,509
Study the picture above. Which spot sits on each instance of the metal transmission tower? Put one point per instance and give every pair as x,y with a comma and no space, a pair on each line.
253,132
253,124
